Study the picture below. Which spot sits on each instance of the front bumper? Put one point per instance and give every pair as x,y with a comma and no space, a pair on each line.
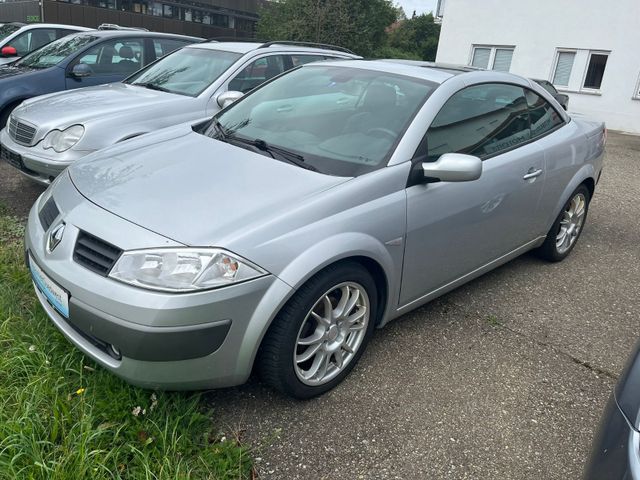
169,341
36,163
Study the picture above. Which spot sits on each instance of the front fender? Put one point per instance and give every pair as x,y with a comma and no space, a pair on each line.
301,269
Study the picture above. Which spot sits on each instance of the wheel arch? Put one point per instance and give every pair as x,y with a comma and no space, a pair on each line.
371,255
585,176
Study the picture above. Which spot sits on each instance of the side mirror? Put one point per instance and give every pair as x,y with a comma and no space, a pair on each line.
81,70
453,167
227,98
8,52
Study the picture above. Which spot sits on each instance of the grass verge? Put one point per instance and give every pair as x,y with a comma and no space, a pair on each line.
64,417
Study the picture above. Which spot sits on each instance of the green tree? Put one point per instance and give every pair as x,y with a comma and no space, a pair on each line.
356,24
417,36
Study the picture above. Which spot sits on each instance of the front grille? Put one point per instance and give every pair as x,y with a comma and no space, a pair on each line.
20,131
95,254
48,213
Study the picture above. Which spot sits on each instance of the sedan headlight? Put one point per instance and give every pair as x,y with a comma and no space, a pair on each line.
183,269
63,140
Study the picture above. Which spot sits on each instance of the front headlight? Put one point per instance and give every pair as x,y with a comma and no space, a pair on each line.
183,269
63,140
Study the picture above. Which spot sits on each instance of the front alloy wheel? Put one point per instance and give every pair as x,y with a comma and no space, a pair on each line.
331,333
319,335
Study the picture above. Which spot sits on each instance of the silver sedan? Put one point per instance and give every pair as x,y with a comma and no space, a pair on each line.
277,235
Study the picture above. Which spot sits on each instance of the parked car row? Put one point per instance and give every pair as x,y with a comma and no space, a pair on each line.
183,247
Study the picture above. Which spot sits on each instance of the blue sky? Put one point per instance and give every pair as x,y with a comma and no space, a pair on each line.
420,6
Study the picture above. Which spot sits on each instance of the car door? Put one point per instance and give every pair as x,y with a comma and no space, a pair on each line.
454,229
109,61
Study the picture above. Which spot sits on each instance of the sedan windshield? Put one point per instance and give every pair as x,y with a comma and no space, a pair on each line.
6,30
55,52
340,121
189,71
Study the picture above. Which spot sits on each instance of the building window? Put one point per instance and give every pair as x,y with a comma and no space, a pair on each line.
494,58
595,70
564,65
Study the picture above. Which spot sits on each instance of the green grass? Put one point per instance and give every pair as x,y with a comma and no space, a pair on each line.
64,417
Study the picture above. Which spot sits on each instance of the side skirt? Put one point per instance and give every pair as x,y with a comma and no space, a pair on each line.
464,279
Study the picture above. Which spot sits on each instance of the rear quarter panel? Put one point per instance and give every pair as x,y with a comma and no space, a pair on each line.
571,157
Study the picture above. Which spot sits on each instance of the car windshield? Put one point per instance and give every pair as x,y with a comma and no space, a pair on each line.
55,52
6,30
337,120
188,71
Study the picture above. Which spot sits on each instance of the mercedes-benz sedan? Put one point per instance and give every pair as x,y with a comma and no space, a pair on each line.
279,234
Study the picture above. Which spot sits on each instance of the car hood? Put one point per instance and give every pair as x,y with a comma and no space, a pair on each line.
194,189
61,109
8,72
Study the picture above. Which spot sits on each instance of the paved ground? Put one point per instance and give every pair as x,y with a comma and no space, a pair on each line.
505,377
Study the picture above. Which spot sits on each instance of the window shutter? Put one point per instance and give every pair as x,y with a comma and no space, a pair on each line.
563,68
502,62
481,57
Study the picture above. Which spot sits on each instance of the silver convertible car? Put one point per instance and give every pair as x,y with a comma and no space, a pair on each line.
277,235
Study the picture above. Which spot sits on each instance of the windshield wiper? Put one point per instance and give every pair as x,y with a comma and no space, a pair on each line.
153,86
223,134
288,155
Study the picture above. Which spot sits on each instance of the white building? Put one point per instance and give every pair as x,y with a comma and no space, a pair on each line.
586,48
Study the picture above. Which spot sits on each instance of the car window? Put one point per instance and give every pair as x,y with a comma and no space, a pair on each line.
6,30
55,52
258,72
481,120
32,39
61,32
188,71
114,56
549,88
544,117
343,121
300,59
162,46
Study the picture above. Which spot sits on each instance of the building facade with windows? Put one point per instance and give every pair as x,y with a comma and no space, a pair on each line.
202,18
586,49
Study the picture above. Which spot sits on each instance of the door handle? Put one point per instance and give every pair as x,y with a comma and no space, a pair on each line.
284,108
532,174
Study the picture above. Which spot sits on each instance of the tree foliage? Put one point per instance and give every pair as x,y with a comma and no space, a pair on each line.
356,24
417,37
371,28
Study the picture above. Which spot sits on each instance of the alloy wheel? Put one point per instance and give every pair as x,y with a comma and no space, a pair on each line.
571,223
331,333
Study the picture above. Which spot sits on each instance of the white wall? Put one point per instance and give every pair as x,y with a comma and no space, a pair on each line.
537,29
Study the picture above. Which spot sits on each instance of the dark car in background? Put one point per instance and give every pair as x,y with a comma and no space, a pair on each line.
615,453
82,60
561,98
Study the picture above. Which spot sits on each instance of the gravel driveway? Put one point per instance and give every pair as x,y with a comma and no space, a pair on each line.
505,377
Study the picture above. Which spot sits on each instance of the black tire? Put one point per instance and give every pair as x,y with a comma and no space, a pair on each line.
275,360
549,250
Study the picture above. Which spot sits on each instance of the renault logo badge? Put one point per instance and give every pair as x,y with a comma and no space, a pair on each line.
54,238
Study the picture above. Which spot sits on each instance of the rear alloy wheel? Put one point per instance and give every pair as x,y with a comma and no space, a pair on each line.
320,334
567,228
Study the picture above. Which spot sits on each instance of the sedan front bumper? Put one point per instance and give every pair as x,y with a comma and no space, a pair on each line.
36,163
152,339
